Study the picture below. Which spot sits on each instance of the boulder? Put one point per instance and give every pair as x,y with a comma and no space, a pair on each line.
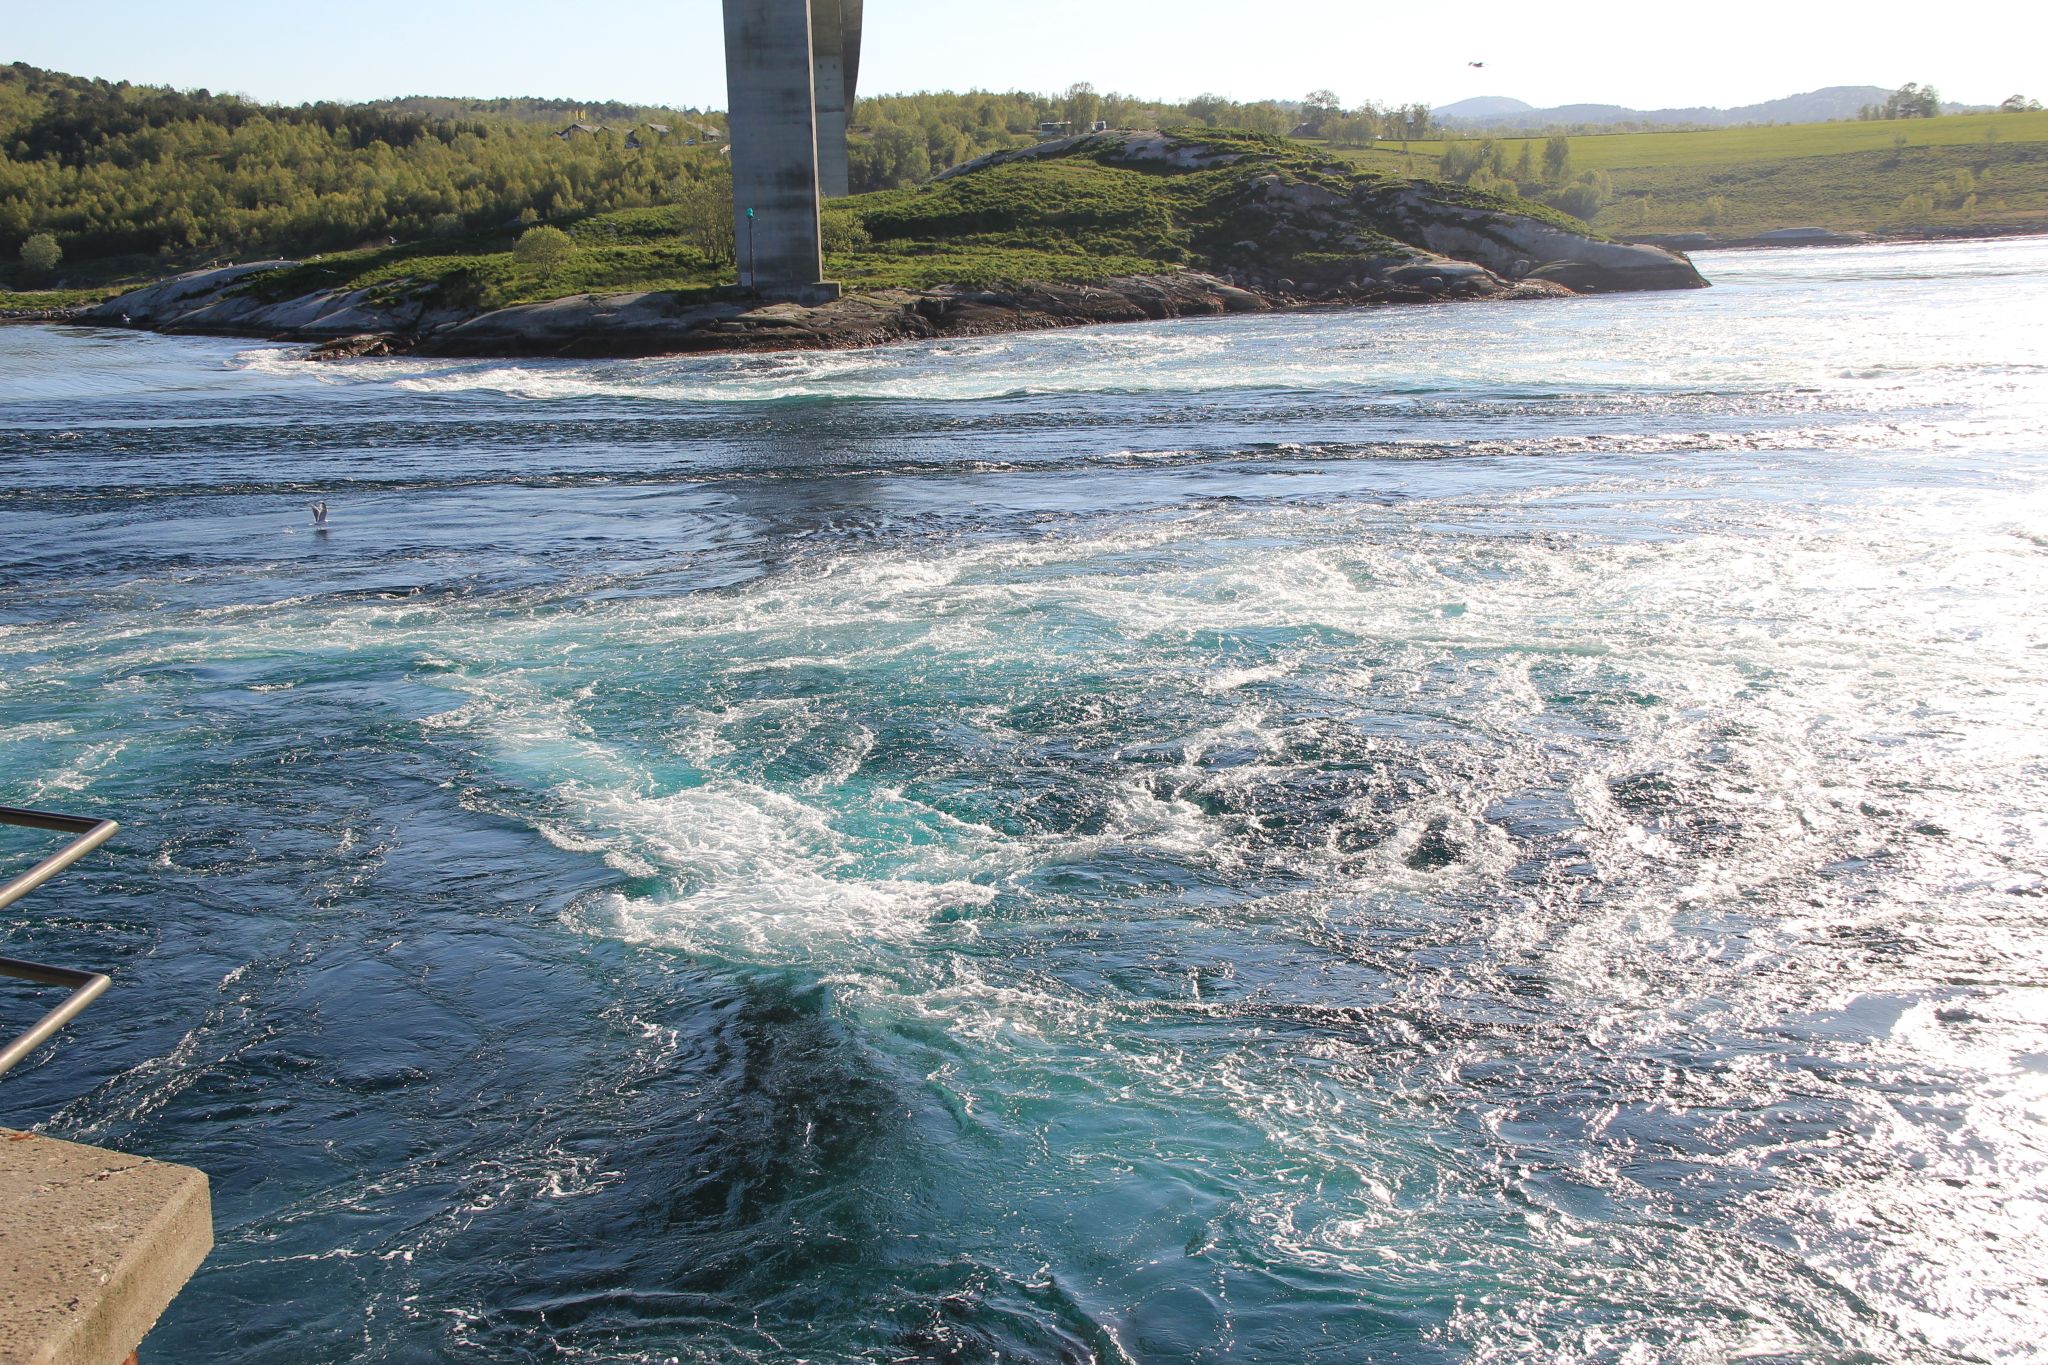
359,347
1443,278
1505,242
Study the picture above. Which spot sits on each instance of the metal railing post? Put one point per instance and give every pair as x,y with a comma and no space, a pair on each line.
86,987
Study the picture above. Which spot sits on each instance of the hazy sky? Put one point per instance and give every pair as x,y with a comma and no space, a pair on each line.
668,51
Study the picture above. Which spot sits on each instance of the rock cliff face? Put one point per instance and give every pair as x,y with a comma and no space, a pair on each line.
1274,226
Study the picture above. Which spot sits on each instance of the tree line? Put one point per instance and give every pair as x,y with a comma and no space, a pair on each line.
1547,177
1913,100
108,169
117,170
901,140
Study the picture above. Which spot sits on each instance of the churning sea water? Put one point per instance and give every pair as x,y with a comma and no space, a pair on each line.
1441,834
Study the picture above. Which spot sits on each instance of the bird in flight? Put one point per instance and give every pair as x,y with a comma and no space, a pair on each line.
319,513
1475,63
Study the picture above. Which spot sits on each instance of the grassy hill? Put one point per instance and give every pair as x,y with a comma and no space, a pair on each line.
1088,213
1901,176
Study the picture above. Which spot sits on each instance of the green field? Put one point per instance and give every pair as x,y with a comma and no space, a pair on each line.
53,298
1838,175
1916,190
1794,140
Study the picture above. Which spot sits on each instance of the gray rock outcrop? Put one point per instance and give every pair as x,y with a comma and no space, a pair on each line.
218,302
348,324
1510,244
1425,224
593,325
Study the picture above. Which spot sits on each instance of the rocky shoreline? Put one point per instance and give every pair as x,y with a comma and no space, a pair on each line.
341,326
617,326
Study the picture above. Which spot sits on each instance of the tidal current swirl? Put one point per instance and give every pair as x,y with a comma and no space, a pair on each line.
1469,833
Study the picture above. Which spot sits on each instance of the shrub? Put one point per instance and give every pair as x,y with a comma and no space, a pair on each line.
1483,179
1585,197
844,232
546,249
40,254
703,214
1362,131
446,225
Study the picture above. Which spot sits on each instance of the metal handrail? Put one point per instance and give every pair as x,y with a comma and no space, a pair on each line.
86,987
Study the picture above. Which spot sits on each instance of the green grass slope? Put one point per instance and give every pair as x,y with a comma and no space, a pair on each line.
1898,176
1076,218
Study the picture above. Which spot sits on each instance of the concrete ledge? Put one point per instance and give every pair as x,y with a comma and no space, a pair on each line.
94,1245
809,295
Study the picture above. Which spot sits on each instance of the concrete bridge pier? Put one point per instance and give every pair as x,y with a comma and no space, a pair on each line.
771,103
835,58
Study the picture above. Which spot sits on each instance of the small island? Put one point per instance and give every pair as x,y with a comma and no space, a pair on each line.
1106,227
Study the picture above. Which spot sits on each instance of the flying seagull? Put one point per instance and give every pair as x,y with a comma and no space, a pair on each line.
319,513
1475,63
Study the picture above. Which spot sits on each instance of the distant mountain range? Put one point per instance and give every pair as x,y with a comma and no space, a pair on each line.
1815,106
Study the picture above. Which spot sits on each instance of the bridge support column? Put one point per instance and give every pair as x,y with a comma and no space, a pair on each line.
770,103
835,57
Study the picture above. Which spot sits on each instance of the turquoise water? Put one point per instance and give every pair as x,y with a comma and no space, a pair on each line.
1464,834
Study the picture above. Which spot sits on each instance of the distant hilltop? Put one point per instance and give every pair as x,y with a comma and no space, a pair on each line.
1815,106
